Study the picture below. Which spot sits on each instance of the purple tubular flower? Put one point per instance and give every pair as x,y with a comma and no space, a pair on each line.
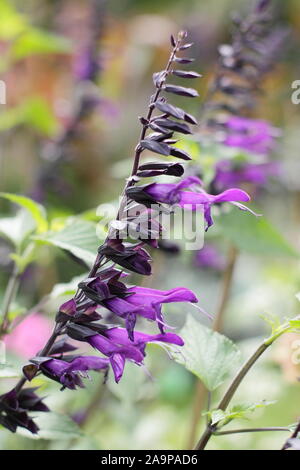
210,258
175,194
86,67
147,303
14,408
115,344
255,173
254,136
67,373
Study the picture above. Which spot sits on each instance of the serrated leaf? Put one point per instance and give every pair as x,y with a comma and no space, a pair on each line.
238,411
53,426
79,237
36,210
206,353
254,234
66,288
215,416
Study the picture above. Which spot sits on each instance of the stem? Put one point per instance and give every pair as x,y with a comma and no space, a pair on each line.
209,431
44,352
201,392
241,431
93,406
226,288
9,296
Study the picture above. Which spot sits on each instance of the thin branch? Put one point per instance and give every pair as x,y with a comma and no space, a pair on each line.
246,430
210,429
201,391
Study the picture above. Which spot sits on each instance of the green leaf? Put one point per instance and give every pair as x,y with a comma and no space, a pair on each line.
78,237
207,354
295,325
131,388
215,416
28,256
274,321
17,228
34,112
291,325
35,41
66,288
238,411
36,210
53,426
254,234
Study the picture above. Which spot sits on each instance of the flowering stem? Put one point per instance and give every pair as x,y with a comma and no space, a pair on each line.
201,391
9,296
138,150
152,107
44,352
131,181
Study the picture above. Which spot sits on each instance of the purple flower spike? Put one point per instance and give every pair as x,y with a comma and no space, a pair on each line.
210,258
228,174
254,136
67,373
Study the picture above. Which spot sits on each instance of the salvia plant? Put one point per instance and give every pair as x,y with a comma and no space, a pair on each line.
78,318
136,230
234,93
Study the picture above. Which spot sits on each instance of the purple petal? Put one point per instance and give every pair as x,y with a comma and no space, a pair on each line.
232,195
